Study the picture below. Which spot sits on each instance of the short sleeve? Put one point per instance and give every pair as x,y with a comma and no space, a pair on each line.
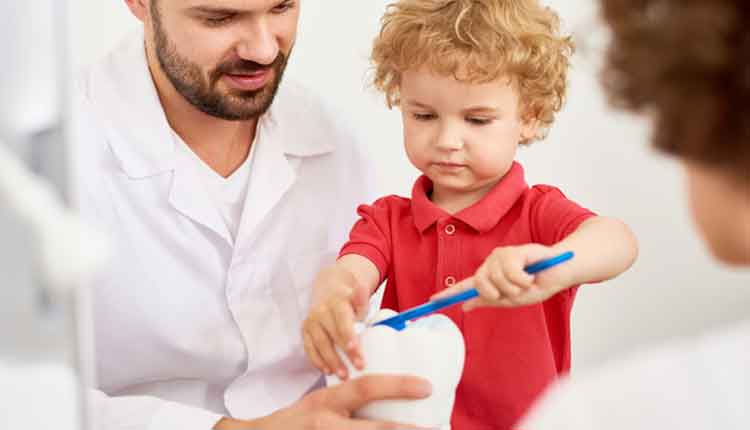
553,216
371,235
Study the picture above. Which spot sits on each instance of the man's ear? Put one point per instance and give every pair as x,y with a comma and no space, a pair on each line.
139,8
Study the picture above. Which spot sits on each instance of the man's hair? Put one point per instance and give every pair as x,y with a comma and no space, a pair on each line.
686,64
477,41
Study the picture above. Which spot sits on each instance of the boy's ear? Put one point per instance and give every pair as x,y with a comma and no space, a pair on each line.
529,122
529,128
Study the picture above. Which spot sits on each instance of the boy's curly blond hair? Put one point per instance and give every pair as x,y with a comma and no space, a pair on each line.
477,41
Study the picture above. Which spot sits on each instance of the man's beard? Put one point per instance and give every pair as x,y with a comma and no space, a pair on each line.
201,92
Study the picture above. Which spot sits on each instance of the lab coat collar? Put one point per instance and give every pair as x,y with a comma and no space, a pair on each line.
123,96
271,175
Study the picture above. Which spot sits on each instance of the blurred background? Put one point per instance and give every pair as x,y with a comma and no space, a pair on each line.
598,157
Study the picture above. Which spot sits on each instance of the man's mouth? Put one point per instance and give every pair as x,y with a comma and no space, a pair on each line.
249,81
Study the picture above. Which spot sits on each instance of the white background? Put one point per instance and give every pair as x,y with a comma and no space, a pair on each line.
600,158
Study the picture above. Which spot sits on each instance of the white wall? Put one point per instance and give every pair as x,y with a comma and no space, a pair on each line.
598,157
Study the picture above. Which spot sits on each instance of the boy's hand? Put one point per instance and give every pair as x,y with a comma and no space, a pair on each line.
338,301
502,281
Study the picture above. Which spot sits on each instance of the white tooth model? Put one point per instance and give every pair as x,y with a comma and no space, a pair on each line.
431,348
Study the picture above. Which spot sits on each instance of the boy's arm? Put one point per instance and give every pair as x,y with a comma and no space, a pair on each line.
362,269
604,247
341,296
341,292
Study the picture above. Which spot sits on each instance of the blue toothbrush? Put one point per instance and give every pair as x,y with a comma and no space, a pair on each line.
398,322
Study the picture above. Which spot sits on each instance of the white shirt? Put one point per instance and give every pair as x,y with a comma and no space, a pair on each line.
703,384
228,194
189,323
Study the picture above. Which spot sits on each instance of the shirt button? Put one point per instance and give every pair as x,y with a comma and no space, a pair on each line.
450,229
449,281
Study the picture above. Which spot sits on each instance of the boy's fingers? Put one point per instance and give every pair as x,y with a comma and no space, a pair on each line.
515,274
346,335
343,319
502,285
503,302
327,320
324,345
313,354
488,290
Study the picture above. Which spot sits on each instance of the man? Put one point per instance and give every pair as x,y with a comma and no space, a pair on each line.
686,64
225,191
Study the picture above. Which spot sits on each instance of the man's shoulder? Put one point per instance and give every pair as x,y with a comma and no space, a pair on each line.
117,62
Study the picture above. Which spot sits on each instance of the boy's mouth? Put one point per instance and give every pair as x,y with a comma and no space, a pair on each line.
448,165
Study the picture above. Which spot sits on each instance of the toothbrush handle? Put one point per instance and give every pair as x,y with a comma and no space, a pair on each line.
530,269
399,321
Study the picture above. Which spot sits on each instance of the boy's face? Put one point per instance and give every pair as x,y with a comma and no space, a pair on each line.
462,136
225,57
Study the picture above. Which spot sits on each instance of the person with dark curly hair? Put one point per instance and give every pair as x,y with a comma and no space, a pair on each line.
687,66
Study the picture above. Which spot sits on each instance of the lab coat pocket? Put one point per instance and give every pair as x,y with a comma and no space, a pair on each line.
303,270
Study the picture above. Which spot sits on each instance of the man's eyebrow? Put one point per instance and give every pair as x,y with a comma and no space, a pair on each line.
210,10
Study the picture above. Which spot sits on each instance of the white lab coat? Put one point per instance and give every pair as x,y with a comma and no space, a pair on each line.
189,325
690,385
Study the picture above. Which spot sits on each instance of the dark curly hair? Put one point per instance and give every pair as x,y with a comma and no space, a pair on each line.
686,63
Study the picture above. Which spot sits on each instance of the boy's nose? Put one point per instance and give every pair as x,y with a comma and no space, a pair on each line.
258,43
448,140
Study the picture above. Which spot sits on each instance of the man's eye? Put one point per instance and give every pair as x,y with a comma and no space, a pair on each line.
215,21
422,116
283,7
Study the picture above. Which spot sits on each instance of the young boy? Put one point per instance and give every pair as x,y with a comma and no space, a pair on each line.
474,79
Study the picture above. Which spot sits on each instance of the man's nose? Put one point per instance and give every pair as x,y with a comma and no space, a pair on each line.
258,43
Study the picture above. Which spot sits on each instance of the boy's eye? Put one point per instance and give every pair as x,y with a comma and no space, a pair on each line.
422,116
478,121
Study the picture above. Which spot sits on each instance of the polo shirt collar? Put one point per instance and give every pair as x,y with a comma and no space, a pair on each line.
483,215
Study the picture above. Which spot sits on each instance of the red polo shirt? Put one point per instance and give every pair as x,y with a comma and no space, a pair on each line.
511,353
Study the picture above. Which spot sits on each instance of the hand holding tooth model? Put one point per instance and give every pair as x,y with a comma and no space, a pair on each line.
432,347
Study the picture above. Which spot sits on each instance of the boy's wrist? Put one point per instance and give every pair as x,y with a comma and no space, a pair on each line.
331,280
565,274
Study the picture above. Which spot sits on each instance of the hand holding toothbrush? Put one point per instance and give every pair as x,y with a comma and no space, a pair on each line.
503,280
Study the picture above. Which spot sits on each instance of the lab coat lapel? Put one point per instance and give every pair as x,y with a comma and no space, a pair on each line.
188,195
273,174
